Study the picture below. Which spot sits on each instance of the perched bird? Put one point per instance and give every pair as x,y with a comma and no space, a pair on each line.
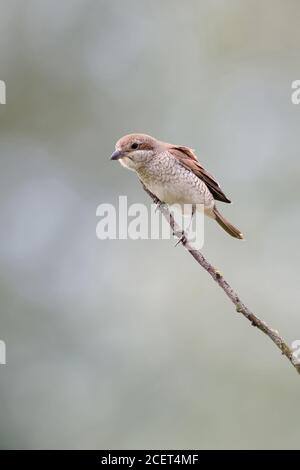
173,174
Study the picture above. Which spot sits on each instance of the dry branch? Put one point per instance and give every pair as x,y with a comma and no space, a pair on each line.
229,291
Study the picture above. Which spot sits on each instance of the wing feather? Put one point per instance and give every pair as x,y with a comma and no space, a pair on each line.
188,159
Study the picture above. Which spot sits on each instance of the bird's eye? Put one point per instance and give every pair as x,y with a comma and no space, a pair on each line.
134,145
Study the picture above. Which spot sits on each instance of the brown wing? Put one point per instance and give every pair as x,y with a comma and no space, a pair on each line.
188,159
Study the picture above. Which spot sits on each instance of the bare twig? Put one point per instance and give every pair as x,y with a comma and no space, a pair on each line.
229,291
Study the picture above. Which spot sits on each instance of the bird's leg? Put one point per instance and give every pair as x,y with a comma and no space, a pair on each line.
192,215
183,238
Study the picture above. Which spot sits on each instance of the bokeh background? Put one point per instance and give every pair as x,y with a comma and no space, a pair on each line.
129,344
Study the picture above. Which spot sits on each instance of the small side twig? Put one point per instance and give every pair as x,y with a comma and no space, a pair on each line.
229,291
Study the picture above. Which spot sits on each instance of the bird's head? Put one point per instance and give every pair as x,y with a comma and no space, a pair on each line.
135,150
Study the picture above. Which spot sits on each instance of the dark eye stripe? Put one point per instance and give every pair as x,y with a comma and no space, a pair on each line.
145,146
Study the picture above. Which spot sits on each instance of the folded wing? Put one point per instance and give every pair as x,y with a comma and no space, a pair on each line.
188,159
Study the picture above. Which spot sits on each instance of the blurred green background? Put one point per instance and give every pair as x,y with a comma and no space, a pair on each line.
129,344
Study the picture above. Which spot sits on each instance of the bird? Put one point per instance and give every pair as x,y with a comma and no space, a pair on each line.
173,174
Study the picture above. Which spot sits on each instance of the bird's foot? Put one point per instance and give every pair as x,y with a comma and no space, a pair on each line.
159,204
182,239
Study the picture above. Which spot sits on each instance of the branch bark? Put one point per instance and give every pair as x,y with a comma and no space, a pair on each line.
229,291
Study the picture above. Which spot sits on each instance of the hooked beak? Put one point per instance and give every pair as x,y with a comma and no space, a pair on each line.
117,155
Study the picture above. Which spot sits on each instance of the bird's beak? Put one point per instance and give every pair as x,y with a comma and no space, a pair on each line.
117,155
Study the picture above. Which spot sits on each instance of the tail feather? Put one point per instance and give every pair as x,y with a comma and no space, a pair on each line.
227,226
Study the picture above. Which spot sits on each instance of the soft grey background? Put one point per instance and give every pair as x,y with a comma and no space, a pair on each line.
123,344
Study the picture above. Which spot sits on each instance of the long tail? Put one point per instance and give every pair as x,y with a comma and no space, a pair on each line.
227,226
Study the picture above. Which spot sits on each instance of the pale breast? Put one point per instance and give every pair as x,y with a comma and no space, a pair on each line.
174,184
